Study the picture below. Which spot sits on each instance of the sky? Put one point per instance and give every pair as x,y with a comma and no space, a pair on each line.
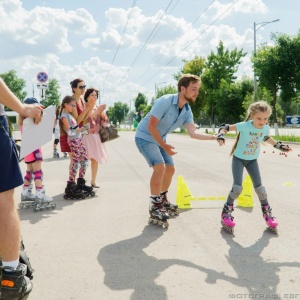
124,47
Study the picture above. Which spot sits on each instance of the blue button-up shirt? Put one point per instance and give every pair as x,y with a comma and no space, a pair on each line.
166,110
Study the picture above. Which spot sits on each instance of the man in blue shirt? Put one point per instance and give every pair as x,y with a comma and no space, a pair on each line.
168,113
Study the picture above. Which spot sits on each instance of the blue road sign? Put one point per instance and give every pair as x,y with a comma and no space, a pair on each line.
293,120
42,77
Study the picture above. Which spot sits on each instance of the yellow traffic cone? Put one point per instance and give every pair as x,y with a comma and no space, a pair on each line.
184,195
246,197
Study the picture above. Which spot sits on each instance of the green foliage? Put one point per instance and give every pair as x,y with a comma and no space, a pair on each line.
195,67
118,112
52,94
220,67
140,104
278,68
166,90
15,84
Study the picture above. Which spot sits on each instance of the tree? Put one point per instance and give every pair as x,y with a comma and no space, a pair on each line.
219,66
278,68
195,67
140,104
118,112
52,94
232,95
15,84
166,90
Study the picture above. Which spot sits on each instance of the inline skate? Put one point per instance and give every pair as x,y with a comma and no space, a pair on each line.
270,220
42,201
27,197
158,215
87,190
55,154
172,209
14,283
65,154
73,192
227,219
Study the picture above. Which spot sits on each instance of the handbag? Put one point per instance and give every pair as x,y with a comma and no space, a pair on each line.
108,133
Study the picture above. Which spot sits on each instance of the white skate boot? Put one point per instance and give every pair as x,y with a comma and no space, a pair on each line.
42,201
27,197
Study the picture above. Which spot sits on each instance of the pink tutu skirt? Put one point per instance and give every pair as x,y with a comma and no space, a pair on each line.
95,149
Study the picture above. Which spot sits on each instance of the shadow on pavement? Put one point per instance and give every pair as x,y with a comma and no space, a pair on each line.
34,217
253,272
127,266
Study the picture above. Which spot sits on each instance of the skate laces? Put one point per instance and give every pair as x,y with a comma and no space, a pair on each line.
228,209
267,211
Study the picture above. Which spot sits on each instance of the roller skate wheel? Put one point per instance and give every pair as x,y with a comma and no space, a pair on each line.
20,205
93,194
155,222
273,229
165,224
150,221
177,212
227,228
65,197
171,213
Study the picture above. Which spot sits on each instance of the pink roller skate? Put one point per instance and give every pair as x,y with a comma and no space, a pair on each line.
227,219
270,220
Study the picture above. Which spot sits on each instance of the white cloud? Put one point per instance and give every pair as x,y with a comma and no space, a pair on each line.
41,30
241,6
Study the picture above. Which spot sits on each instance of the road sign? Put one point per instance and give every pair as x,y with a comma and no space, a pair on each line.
42,86
42,77
292,120
42,93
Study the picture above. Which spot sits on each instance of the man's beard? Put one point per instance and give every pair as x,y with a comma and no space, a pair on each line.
190,100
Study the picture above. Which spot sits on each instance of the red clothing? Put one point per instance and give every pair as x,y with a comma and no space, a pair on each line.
80,110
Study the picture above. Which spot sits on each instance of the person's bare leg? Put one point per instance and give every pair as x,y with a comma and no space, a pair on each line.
167,179
157,178
9,227
94,168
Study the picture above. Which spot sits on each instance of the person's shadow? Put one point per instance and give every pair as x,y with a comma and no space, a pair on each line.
253,272
127,266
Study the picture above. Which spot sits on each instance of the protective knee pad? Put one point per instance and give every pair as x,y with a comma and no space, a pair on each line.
56,141
38,175
38,155
28,176
235,191
75,166
84,164
261,192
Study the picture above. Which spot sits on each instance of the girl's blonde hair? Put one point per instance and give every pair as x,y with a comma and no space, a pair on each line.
254,108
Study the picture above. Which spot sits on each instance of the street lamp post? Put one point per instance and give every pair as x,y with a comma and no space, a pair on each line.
156,85
33,82
255,29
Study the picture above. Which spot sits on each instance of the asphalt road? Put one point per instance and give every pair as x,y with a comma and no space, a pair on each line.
103,247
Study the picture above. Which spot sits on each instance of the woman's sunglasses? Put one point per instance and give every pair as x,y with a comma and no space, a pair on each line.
82,87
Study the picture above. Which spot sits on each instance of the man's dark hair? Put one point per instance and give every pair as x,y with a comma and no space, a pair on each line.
186,79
